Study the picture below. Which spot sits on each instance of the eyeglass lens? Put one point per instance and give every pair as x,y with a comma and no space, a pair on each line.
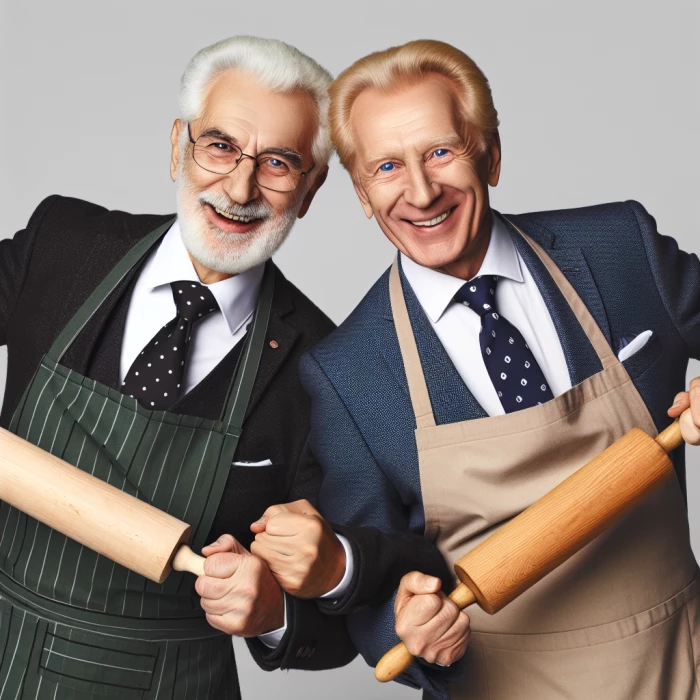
274,172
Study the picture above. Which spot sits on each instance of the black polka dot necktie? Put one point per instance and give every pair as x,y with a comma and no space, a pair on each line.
515,374
155,377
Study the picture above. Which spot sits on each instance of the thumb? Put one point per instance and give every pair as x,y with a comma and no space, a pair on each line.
415,583
225,543
259,525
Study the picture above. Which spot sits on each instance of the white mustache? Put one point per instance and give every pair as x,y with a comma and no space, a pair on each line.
254,210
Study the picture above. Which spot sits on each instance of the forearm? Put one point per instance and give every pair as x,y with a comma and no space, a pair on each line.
312,641
379,561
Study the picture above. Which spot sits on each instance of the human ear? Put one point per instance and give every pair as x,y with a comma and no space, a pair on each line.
494,160
309,196
175,148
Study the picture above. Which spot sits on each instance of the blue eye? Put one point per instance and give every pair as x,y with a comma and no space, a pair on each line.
275,163
440,153
386,167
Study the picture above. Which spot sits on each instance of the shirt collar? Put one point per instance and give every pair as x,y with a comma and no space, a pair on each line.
435,290
236,296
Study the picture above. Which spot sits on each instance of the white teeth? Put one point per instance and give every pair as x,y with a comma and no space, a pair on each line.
435,221
232,217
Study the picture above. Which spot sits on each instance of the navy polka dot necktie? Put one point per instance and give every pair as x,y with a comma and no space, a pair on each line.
515,374
155,377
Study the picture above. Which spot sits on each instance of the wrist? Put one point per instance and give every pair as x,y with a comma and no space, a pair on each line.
338,565
277,610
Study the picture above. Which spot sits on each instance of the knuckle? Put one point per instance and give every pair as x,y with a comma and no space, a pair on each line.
314,527
429,655
417,647
309,552
406,579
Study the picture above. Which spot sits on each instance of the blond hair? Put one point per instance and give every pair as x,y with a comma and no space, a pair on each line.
399,65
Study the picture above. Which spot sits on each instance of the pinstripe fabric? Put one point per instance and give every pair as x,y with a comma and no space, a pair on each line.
75,624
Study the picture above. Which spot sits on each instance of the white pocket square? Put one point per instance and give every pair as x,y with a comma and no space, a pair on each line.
635,345
263,463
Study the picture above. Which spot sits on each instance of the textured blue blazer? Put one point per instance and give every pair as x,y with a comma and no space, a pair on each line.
630,277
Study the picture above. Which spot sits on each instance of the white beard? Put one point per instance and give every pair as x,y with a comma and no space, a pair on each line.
229,253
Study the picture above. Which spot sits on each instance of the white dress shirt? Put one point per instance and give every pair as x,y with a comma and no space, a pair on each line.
152,306
517,299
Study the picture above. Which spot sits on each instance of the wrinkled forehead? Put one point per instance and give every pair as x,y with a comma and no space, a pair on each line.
238,104
407,117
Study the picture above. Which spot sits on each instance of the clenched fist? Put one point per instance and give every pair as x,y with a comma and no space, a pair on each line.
428,622
690,420
239,594
301,549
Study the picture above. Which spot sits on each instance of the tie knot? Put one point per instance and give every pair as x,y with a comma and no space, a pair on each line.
479,294
193,300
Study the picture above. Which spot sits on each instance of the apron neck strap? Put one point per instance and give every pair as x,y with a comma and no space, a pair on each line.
103,290
409,351
249,361
595,335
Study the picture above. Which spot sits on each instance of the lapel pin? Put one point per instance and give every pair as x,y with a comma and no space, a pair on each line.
274,344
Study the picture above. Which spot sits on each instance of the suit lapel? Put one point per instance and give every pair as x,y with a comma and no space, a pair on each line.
581,359
449,395
280,339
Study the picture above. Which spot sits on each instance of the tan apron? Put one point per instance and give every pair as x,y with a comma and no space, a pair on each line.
620,620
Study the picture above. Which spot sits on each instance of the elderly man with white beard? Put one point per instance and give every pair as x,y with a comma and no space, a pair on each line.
160,354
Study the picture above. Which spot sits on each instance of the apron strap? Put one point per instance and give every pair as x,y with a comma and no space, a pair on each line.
420,399
595,335
242,386
103,290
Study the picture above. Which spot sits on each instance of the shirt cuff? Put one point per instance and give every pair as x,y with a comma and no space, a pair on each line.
344,584
273,639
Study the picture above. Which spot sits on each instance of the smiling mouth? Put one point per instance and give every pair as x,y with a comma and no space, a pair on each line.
435,221
233,217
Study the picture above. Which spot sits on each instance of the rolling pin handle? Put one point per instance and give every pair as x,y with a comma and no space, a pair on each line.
186,560
398,658
671,438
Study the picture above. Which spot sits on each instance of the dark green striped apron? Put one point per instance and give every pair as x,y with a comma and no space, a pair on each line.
73,624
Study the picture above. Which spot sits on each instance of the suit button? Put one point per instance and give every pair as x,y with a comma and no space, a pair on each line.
312,652
302,652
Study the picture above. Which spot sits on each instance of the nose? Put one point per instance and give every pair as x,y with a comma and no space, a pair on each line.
240,184
420,191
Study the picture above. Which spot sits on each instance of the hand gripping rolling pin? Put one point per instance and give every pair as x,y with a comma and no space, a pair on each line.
556,526
90,511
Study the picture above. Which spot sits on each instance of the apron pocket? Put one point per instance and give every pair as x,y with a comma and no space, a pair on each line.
106,666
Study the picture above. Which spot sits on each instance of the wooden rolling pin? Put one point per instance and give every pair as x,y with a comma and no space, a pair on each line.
90,511
556,526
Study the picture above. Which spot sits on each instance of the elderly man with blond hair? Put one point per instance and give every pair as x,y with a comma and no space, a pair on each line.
498,355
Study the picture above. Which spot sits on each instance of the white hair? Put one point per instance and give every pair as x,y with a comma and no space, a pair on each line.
279,67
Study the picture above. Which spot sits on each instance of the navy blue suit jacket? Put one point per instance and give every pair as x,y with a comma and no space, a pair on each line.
631,279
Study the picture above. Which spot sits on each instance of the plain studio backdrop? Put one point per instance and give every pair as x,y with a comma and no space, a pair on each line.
598,102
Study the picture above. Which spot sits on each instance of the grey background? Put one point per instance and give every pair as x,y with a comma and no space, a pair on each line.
598,102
